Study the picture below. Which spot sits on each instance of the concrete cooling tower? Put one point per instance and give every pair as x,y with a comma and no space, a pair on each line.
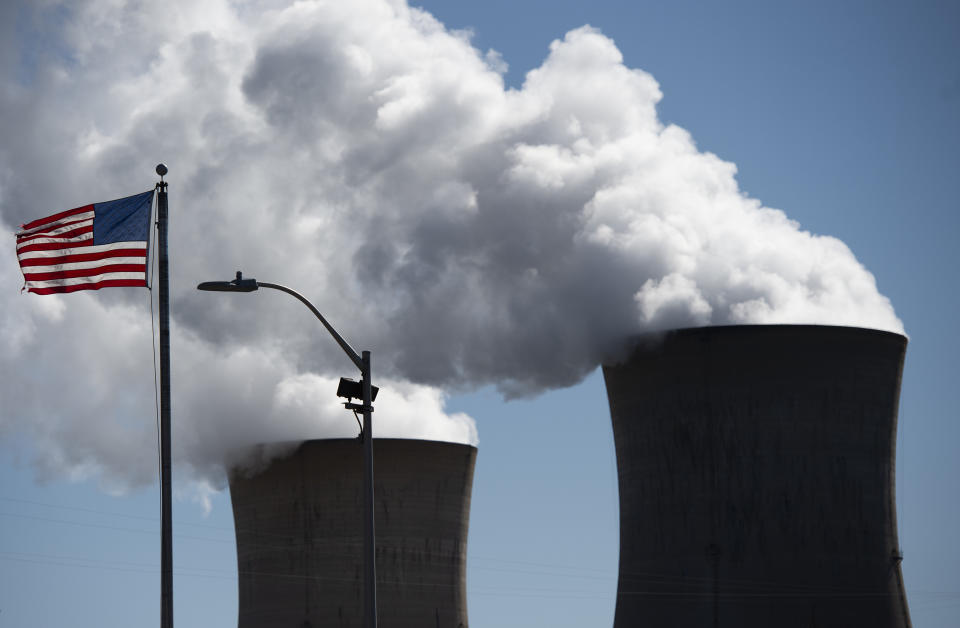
756,471
299,526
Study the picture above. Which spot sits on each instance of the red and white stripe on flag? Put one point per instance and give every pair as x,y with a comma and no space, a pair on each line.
87,248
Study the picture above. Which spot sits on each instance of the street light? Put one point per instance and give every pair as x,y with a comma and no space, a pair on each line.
349,389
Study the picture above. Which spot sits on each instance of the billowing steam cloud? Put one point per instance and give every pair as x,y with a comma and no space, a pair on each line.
363,154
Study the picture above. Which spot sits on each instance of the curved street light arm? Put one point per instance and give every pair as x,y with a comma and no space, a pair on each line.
369,545
363,363
353,355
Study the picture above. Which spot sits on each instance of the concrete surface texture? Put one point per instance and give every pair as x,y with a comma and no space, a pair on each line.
299,534
756,473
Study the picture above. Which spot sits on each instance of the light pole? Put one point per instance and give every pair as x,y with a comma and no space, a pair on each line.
362,362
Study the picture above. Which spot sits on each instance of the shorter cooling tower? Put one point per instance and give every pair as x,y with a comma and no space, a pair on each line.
299,527
756,470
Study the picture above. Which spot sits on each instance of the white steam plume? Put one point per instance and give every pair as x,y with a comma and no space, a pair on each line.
373,160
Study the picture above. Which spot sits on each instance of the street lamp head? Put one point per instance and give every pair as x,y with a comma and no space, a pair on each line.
237,285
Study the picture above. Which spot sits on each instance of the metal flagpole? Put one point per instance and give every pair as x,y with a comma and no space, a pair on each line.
166,542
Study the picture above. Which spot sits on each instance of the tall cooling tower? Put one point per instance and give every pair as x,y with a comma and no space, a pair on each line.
756,470
299,526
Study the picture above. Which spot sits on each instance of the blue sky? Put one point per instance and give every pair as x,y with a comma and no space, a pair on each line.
843,115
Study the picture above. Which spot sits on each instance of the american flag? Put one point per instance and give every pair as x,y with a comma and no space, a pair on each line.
87,248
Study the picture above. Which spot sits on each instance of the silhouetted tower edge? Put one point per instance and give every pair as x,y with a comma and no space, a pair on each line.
756,473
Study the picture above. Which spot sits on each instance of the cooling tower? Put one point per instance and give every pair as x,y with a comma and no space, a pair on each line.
756,471
299,526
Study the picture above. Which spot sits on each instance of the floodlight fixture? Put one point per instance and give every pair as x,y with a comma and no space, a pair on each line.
352,389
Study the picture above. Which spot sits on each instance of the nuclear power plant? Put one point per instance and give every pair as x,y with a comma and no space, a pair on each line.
756,473
756,470
299,535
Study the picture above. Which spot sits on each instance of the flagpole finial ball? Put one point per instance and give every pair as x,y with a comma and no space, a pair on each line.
161,169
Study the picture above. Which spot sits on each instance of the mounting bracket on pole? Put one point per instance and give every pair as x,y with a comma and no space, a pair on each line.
356,407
